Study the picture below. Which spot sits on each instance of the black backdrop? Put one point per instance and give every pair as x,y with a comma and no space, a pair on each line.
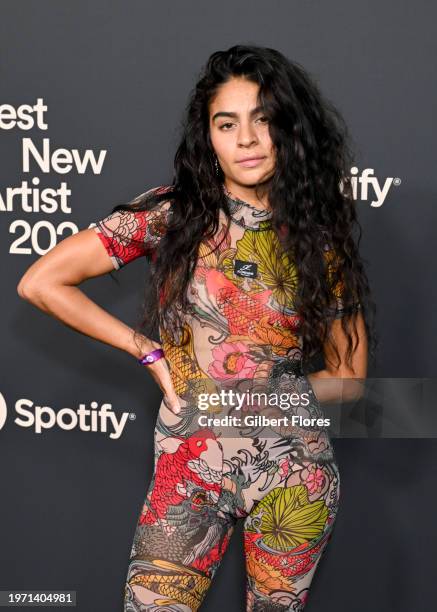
114,77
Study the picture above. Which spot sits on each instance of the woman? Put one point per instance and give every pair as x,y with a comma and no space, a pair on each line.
254,271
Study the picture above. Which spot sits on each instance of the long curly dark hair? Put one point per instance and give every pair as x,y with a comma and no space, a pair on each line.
310,195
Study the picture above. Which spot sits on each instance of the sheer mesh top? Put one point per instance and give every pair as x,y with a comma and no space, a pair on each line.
241,318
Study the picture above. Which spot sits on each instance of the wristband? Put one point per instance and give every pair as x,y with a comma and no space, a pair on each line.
151,357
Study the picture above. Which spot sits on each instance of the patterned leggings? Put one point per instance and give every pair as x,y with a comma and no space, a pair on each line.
284,486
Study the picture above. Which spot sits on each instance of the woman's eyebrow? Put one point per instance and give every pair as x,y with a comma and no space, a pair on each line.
254,111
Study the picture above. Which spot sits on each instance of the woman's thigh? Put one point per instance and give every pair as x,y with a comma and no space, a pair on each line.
287,530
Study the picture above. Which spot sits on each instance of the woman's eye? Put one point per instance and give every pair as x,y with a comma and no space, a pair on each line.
224,126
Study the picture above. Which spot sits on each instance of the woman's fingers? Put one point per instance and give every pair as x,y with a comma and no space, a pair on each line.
160,372
171,400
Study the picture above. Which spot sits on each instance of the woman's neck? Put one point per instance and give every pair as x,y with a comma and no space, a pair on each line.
247,195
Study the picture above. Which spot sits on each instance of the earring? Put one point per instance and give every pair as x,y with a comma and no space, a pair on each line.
217,171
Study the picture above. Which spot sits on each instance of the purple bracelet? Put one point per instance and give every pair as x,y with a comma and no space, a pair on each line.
151,357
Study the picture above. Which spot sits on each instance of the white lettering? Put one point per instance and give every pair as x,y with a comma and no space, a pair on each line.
9,116
365,181
93,419
61,160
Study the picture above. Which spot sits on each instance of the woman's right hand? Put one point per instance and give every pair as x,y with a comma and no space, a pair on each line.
161,373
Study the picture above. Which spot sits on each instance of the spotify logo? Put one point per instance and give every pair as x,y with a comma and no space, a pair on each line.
95,418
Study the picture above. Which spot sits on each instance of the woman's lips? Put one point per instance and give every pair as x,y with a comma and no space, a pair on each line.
251,163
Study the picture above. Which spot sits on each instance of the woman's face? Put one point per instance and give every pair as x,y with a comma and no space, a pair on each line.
238,131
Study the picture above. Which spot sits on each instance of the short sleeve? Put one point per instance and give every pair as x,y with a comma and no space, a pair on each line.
339,308
128,234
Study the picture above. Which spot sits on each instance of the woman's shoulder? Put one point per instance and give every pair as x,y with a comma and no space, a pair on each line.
154,203
158,191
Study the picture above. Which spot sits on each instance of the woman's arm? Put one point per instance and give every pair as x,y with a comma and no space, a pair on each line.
51,284
336,383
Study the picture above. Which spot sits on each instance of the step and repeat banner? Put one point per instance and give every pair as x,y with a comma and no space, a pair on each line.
91,99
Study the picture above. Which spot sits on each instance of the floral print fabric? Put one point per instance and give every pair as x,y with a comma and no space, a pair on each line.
285,487
241,321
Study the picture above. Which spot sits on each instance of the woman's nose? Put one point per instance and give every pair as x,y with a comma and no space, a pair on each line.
246,134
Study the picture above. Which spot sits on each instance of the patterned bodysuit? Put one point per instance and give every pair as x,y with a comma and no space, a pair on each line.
284,483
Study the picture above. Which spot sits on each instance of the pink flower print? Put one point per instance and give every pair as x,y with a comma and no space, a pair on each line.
232,360
284,467
315,479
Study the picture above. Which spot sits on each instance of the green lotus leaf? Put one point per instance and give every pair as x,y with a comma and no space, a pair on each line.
289,519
